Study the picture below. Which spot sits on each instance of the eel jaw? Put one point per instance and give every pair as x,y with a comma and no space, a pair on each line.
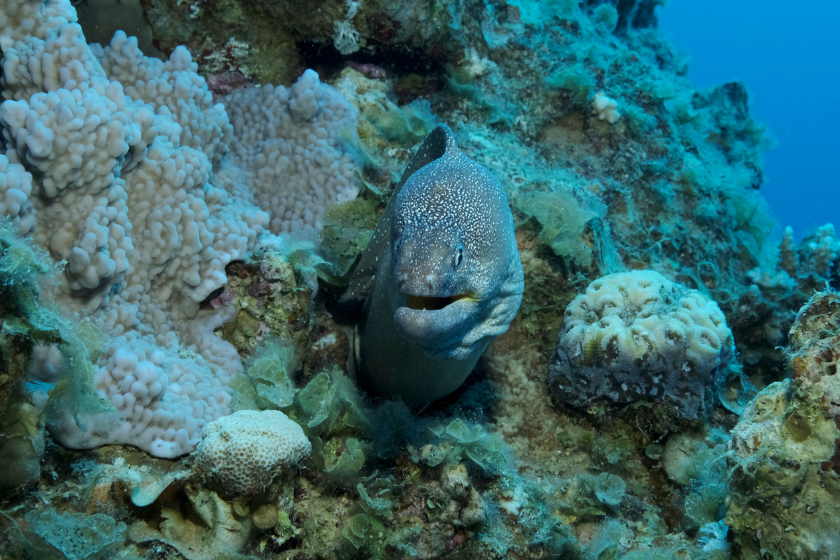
436,324
431,303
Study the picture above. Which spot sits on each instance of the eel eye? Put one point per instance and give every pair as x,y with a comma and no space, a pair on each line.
458,258
397,245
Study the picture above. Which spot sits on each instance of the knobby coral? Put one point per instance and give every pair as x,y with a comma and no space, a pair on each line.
116,163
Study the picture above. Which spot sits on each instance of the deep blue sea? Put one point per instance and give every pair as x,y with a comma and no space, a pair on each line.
788,55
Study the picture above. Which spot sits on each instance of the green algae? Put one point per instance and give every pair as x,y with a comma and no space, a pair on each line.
577,80
460,440
348,227
563,220
27,319
267,382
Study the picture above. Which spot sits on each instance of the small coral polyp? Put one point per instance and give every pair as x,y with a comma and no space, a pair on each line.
637,335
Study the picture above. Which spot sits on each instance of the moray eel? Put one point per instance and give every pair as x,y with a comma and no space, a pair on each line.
443,276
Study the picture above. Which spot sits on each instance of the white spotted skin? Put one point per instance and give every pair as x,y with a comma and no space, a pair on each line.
452,202
451,236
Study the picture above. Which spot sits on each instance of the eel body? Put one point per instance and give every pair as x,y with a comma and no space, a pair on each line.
440,279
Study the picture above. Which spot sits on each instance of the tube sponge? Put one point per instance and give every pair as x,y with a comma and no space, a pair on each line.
636,335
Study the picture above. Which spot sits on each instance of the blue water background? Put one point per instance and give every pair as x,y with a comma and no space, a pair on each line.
788,55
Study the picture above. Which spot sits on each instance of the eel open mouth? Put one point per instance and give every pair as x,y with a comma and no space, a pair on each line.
432,303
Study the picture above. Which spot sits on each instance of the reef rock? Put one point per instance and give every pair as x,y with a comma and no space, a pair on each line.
784,483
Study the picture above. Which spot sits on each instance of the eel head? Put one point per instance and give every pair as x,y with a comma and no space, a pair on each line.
452,247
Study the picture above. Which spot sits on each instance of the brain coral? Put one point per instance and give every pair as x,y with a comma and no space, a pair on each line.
636,335
243,452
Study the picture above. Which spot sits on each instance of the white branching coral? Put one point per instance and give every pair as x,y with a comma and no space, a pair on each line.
15,190
606,108
812,263
116,163
78,142
788,258
819,251
636,335
21,19
175,90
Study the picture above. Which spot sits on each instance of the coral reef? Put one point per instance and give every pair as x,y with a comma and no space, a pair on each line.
168,188
139,283
148,224
784,477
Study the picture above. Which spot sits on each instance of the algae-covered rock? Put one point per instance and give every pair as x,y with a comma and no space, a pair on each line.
271,294
211,531
687,454
815,338
21,445
21,426
78,536
26,321
260,38
784,483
